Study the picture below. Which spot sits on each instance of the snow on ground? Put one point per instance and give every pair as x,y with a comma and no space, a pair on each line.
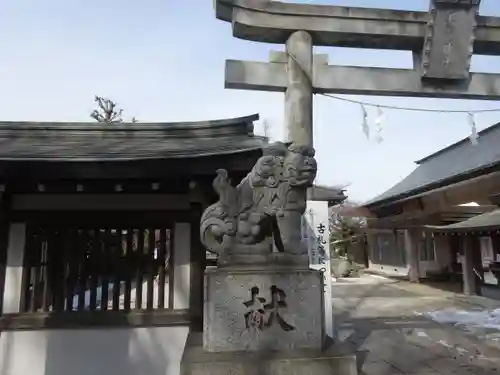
470,320
361,280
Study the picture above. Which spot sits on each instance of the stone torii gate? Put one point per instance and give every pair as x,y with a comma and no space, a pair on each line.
442,42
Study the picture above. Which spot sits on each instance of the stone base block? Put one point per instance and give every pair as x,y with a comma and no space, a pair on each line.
261,261
262,310
196,361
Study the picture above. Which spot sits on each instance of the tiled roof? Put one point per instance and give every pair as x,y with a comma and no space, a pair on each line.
55,141
447,166
487,221
326,193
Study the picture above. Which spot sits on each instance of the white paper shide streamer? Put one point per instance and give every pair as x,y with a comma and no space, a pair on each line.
473,130
364,124
379,121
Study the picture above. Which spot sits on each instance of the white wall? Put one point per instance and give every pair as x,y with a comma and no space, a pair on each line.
442,250
388,269
441,259
427,266
423,267
136,351
378,266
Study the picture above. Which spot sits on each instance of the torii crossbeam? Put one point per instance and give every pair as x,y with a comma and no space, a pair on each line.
442,42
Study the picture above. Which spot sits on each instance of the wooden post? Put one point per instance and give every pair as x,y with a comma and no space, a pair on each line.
197,268
412,255
4,241
298,95
477,263
469,276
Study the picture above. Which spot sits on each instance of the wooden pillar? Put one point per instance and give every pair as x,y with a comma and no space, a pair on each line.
4,243
470,271
298,95
412,254
374,253
197,268
477,262
495,241
14,269
182,265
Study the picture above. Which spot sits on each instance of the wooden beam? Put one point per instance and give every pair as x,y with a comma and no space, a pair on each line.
353,211
100,202
450,196
179,185
462,192
132,170
431,216
93,319
103,219
405,220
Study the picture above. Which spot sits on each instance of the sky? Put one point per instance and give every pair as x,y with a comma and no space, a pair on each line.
163,60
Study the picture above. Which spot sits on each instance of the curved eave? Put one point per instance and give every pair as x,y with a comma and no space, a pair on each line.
331,195
440,169
191,155
129,127
444,230
89,142
394,195
481,223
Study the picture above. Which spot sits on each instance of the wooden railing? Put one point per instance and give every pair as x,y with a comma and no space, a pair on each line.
97,269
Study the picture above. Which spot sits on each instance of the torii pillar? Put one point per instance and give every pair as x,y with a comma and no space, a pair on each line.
299,90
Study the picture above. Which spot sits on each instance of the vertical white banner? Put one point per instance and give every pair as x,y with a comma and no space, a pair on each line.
316,234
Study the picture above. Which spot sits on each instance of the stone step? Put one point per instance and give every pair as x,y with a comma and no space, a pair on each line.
334,360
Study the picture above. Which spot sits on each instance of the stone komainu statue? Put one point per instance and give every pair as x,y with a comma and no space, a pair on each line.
268,203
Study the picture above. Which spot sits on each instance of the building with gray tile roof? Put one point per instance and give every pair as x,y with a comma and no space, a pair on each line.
457,162
87,141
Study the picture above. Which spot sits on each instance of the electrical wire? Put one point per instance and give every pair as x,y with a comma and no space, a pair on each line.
394,107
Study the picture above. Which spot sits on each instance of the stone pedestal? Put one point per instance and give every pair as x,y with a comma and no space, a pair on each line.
264,310
264,320
267,309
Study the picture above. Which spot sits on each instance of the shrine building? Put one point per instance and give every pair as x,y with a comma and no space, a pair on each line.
99,229
101,265
443,195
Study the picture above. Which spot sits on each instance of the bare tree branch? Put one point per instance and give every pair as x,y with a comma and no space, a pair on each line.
107,111
344,231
